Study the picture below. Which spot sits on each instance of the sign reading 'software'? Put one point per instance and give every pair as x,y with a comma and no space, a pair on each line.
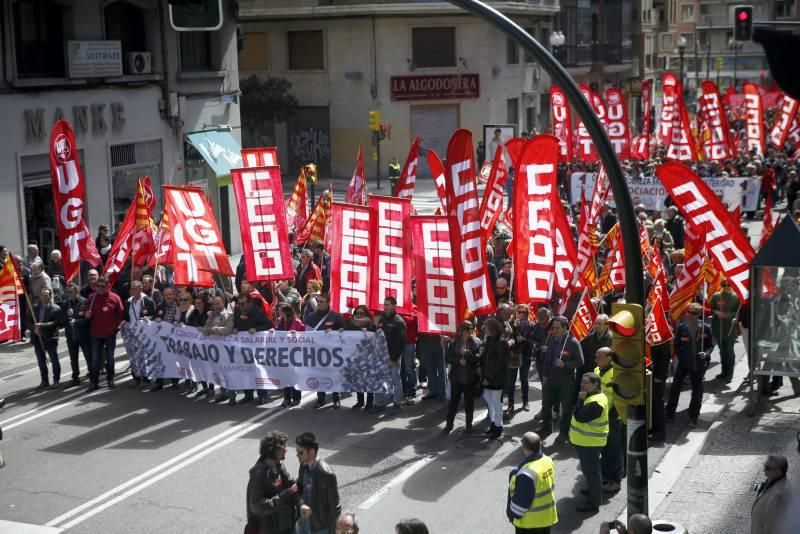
94,59
308,361
435,87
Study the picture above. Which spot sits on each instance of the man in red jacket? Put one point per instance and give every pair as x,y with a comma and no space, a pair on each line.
106,312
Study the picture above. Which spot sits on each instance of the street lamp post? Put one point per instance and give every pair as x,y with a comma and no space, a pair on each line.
557,40
681,51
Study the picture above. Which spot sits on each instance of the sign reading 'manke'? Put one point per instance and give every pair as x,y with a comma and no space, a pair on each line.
435,87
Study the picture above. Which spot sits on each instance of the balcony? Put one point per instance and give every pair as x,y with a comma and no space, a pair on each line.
650,17
716,21
283,9
574,55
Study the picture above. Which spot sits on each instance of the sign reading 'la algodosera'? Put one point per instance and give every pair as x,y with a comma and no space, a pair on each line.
435,87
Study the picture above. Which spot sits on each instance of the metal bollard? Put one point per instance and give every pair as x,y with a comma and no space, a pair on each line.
668,527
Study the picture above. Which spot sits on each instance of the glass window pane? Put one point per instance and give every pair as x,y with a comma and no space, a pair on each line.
306,50
433,47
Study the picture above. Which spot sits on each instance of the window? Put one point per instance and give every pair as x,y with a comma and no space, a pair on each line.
784,9
306,50
128,162
125,22
689,40
195,51
512,110
39,39
433,47
673,11
687,12
512,52
255,54
666,42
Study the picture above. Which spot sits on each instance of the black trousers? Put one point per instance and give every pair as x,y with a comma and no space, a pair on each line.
661,355
456,390
74,347
542,530
562,391
291,394
321,396
697,390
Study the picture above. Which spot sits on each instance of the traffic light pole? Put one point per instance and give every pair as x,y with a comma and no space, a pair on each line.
634,280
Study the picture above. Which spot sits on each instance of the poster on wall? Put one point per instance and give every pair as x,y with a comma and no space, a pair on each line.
493,135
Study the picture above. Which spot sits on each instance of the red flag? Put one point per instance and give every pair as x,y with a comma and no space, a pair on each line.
616,274
195,236
769,226
437,170
408,176
265,238
316,226
688,281
260,157
794,130
562,123
718,145
75,240
435,275
297,204
657,329
391,267
585,272
647,111
736,215
779,132
535,196
514,148
682,145
754,118
492,203
702,209
136,236
357,190
10,313
585,316
583,141
599,109
472,276
163,241
566,255
617,123
669,104
350,256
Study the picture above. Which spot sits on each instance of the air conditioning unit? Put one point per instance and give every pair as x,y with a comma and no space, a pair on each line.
138,63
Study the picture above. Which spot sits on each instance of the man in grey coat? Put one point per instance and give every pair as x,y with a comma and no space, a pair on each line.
772,498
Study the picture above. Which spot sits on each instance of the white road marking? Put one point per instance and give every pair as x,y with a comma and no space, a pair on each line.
396,481
157,473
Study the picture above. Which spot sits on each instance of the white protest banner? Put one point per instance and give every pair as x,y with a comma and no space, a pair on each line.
308,361
647,190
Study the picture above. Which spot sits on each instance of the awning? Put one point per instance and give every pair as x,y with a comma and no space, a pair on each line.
220,150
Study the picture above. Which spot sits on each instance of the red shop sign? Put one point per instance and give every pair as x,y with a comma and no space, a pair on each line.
435,87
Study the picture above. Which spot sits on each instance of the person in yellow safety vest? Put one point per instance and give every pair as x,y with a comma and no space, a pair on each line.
394,175
531,505
589,433
612,466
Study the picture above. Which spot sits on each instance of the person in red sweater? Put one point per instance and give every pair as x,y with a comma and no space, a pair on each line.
106,312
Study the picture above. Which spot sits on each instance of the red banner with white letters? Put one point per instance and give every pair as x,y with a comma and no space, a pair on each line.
788,114
717,144
535,195
669,100
681,144
69,188
262,220
562,123
585,315
754,118
469,260
260,157
647,114
197,245
437,171
408,176
350,256
701,208
599,108
584,146
617,123
566,251
435,275
391,268
492,203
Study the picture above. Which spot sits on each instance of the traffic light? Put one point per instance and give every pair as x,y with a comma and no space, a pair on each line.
375,121
195,15
743,23
627,328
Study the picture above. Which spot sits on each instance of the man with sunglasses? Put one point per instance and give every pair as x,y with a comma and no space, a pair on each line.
693,343
725,308
773,496
106,312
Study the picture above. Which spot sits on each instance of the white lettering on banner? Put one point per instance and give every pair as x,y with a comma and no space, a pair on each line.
753,116
390,273
72,178
205,238
788,115
260,204
564,267
355,243
668,101
540,233
440,284
617,130
71,213
494,203
717,147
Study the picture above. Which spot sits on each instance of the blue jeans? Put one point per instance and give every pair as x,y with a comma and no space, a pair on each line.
102,350
303,526
434,365
590,467
50,349
409,374
396,397
726,355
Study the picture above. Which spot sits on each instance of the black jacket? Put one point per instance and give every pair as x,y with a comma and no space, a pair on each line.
51,323
255,319
394,328
80,328
325,506
589,346
494,362
271,509
464,374
147,310
333,320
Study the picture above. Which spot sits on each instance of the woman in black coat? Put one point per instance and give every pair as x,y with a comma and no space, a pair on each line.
272,494
463,355
494,368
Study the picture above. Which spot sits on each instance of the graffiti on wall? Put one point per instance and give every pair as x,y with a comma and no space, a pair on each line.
310,144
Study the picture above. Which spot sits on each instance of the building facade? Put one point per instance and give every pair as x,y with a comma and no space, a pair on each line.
132,88
427,67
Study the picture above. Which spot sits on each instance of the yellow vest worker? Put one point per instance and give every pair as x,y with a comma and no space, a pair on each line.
589,432
531,489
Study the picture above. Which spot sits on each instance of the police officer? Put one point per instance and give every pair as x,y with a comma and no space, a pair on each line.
589,433
531,505
394,174
612,461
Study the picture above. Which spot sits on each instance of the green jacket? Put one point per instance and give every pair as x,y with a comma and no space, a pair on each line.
724,327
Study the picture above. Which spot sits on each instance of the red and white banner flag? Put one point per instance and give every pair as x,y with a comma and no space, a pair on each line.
535,196
669,100
514,148
585,316
163,242
617,123
75,240
681,145
136,235
10,313
562,123
408,176
469,259
260,157
350,256
794,131
617,271
435,275
392,266
754,118
583,141
198,247
703,210
788,114
647,114
657,329
686,285
357,189
438,172
769,224
599,108
717,145
566,252
265,238
492,203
